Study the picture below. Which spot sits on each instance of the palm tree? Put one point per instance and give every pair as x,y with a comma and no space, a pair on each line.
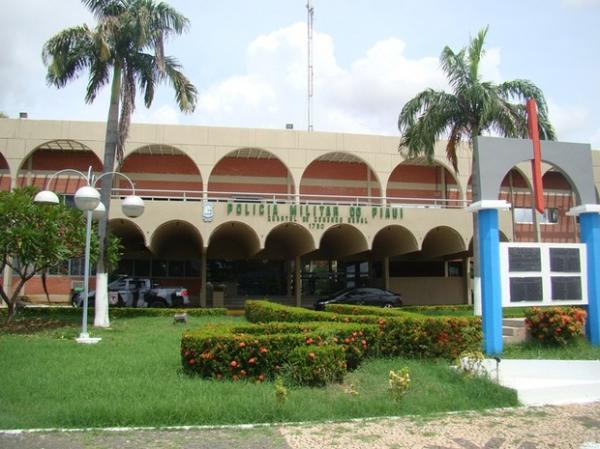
128,44
474,107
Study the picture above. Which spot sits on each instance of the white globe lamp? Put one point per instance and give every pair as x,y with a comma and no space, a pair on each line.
133,206
46,197
87,198
99,211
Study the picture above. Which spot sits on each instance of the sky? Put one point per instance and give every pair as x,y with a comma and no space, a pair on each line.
248,60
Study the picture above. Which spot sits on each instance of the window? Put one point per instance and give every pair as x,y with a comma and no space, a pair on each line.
524,215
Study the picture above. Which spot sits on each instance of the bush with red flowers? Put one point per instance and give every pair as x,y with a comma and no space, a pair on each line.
556,326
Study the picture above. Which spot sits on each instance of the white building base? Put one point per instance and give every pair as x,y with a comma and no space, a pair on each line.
549,382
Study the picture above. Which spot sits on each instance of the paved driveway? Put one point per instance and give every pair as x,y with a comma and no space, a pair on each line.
557,427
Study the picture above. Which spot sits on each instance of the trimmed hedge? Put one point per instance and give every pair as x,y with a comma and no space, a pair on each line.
117,312
262,352
402,333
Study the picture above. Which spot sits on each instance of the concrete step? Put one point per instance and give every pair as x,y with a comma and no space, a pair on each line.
514,331
513,322
542,382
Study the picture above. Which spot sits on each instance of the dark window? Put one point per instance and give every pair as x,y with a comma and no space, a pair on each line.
565,260
526,289
159,268
142,267
524,259
177,268
566,288
192,268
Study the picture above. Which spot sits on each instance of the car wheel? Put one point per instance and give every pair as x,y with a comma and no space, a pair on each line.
158,303
387,306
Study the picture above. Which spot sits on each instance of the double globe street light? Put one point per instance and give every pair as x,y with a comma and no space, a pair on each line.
87,199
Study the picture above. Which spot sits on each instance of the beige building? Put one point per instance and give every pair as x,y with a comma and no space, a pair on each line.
284,214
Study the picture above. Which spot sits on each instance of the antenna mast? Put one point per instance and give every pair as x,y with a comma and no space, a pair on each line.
309,22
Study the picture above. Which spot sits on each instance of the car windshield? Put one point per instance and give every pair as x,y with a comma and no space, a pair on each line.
338,293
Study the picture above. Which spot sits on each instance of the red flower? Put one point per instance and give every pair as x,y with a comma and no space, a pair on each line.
242,344
309,341
234,364
252,361
263,350
191,361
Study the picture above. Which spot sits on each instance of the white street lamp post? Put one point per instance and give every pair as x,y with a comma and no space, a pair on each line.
87,199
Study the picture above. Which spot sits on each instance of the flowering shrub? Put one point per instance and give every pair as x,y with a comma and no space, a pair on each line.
555,326
400,334
399,382
260,352
318,351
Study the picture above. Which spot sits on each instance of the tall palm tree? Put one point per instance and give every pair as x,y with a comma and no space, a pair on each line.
128,44
472,108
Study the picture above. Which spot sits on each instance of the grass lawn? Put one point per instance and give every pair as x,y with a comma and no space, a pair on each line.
133,378
579,349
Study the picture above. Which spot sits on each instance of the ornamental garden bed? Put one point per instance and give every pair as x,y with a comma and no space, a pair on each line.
314,348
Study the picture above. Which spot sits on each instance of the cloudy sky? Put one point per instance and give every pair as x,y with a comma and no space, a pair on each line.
248,60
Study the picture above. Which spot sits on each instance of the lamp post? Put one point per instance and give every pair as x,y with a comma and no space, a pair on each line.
87,199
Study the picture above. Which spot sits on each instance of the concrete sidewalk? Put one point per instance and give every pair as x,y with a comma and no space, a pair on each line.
548,382
558,427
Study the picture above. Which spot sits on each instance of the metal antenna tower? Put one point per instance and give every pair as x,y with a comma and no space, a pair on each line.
309,22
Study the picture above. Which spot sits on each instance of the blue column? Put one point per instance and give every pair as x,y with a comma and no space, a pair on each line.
590,235
491,297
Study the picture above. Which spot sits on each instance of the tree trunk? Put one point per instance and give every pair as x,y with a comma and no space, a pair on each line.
12,310
476,196
101,318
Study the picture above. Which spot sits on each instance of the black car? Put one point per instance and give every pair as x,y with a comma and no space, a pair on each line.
362,296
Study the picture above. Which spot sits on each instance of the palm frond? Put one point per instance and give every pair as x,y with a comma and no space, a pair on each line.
419,138
456,68
104,8
476,52
185,91
67,54
127,107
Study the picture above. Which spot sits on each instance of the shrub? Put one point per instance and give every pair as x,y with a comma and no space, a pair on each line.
315,366
117,312
555,326
401,334
399,382
259,352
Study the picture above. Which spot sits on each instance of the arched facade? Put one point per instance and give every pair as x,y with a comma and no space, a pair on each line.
230,210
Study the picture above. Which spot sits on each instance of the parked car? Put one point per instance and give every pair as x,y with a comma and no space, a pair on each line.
137,292
361,296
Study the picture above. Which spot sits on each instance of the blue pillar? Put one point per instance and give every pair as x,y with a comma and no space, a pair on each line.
590,235
491,297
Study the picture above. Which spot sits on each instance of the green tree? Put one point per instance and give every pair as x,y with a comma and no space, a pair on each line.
3,115
34,238
472,108
127,44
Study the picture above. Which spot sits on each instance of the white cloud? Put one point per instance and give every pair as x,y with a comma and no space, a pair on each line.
164,114
22,73
570,122
363,98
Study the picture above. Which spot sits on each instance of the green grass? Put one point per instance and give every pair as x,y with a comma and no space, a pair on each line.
133,378
579,349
